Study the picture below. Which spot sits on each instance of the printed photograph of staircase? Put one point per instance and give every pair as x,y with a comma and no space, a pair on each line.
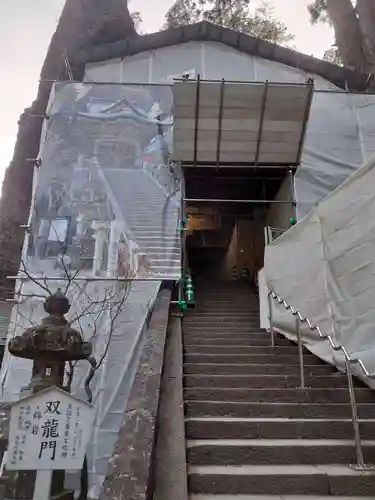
105,158
151,218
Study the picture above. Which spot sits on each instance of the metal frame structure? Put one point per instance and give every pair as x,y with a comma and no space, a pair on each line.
310,82
261,122
196,121
87,278
219,131
256,163
161,84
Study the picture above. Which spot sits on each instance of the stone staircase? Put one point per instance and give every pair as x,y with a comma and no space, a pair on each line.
251,432
141,201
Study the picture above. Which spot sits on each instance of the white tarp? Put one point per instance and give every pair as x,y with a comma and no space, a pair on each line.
106,177
339,139
325,268
340,132
106,204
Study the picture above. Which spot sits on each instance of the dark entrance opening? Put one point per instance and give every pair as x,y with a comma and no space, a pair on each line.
205,262
226,219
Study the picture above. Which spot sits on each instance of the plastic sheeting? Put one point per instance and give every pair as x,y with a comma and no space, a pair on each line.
339,139
106,190
106,204
341,130
113,317
325,268
211,60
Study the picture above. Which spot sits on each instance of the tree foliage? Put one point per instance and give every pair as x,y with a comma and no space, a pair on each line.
354,25
137,20
318,11
233,14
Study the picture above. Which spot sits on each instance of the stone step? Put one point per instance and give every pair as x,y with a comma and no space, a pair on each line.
274,428
260,344
165,260
158,239
230,300
225,331
317,395
242,347
260,359
243,289
206,368
220,305
173,269
160,248
203,311
251,430
276,410
276,451
238,305
272,497
227,322
229,316
135,215
169,256
250,334
156,227
234,314
244,331
215,320
241,303
334,380
305,480
245,293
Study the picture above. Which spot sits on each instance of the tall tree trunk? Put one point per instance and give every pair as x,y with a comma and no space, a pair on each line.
83,23
366,18
348,33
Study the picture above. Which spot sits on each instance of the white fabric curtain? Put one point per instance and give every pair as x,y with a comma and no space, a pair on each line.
325,268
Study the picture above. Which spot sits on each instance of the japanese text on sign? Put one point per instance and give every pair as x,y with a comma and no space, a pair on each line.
49,431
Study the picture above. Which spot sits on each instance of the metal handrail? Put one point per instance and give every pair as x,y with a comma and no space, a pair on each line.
349,360
335,347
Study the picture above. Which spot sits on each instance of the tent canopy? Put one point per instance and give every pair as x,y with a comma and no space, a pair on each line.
219,123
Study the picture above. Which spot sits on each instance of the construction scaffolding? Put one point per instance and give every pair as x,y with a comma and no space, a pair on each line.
237,124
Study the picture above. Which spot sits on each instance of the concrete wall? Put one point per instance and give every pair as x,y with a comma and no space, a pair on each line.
246,248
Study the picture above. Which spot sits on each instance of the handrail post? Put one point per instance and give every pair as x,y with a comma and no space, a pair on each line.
300,352
357,436
270,318
360,465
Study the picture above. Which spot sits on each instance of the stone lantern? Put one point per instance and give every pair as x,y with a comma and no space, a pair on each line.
51,344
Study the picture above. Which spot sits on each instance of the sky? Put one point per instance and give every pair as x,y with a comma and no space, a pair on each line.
26,27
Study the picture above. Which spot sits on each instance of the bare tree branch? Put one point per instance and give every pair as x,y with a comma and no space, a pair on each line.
31,278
